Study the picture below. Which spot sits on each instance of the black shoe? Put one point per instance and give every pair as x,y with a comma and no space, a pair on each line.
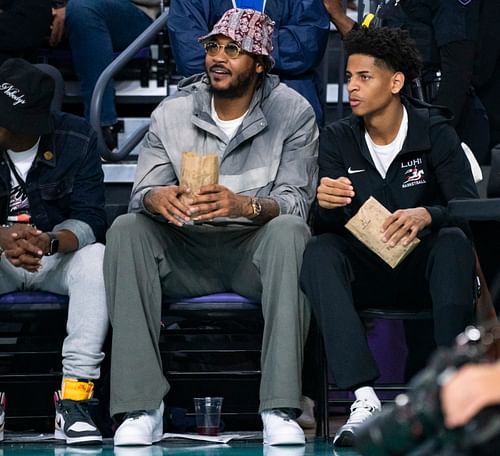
73,422
110,134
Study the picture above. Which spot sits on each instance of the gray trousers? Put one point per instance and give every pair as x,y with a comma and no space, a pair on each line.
145,260
79,275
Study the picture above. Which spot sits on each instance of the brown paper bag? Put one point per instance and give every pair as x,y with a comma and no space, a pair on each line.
366,224
198,170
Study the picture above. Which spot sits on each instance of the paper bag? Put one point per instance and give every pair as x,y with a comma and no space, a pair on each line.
198,170
366,224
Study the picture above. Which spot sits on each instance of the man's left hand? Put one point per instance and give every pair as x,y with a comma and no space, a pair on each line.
29,249
404,225
215,200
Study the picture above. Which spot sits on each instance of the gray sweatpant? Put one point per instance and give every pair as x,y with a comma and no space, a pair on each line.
145,260
79,275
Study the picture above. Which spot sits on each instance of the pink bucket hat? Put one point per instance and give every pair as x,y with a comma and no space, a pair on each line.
249,29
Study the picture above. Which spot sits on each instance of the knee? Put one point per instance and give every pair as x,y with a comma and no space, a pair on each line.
88,265
321,251
453,241
79,13
288,230
125,226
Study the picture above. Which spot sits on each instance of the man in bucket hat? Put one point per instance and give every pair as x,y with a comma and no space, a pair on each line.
51,215
245,234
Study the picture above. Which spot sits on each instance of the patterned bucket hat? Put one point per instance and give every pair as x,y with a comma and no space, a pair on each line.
249,29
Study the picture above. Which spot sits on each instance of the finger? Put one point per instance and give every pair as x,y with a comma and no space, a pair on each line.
210,215
30,248
341,199
202,209
210,188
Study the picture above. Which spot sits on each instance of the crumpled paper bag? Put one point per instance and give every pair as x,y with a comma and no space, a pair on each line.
366,224
198,170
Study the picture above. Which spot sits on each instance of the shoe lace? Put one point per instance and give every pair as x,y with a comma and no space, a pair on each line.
78,410
361,409
136,414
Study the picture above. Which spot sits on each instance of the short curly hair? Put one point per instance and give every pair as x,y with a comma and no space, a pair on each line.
392,46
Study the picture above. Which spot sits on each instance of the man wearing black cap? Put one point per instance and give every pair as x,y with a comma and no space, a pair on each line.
52,216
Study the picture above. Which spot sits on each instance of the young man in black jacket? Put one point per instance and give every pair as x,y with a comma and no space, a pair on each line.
407,156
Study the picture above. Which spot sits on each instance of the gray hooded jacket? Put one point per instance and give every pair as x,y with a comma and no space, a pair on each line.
273,153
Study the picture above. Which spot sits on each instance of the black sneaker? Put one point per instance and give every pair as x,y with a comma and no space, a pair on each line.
110,134
73,422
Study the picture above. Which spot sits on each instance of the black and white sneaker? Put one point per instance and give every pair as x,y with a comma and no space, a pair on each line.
2,414
73,422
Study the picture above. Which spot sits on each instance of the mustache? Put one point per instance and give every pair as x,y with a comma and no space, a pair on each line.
218,66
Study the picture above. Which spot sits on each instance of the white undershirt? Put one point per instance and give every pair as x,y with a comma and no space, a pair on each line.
229,127
22,161
384,155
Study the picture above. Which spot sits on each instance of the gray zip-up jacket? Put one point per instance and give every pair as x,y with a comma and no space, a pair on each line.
273,153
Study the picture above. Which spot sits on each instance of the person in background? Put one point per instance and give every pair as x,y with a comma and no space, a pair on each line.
96,29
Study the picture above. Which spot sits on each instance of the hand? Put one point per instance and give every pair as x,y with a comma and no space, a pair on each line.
338,16
166,202
404,225
472,388
215,200
27,248
57,27
333,193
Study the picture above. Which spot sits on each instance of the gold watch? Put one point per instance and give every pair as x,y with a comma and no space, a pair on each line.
256,207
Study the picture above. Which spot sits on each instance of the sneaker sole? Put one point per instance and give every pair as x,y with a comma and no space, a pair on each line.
280,440
84,440
136,441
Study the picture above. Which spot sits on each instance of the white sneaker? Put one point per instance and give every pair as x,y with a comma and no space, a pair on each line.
306,419
2,414
361,410
280,429
143,427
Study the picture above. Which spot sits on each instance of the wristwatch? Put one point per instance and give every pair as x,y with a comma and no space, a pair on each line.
53,244
256,207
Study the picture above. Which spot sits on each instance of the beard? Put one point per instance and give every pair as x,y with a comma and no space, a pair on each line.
239,87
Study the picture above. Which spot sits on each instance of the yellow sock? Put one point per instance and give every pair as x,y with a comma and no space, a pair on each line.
76,390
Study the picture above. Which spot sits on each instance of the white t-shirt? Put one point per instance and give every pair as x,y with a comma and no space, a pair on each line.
384,155
229,127
22,161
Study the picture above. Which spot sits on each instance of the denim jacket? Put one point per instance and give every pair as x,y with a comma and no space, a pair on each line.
65,184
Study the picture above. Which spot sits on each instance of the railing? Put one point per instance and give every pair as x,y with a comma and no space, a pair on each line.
145,38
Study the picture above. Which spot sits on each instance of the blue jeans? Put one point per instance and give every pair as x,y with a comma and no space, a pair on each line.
97,28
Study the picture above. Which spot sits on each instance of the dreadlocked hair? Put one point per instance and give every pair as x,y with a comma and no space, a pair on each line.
390,46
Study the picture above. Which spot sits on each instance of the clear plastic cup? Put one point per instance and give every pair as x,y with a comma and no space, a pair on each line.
207,410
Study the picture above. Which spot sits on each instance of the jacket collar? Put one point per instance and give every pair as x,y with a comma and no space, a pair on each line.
418,136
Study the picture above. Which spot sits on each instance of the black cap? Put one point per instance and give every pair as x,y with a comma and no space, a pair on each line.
25,97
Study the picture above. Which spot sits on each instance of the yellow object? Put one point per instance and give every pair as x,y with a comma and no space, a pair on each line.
76,390
367,20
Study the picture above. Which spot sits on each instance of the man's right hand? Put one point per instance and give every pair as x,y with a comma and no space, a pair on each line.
333,193
17,240
166,202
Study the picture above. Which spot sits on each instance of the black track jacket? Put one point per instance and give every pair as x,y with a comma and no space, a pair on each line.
430,170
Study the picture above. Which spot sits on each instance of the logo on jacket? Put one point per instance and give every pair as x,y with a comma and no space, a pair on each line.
413,176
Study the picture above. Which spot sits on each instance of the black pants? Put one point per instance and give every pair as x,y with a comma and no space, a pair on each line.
340,275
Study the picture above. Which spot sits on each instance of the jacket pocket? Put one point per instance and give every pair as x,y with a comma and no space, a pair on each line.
56,190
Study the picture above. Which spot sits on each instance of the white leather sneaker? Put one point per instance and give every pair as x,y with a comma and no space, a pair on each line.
280,429
143,427
361,410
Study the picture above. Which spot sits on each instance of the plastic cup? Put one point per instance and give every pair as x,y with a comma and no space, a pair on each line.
207,410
